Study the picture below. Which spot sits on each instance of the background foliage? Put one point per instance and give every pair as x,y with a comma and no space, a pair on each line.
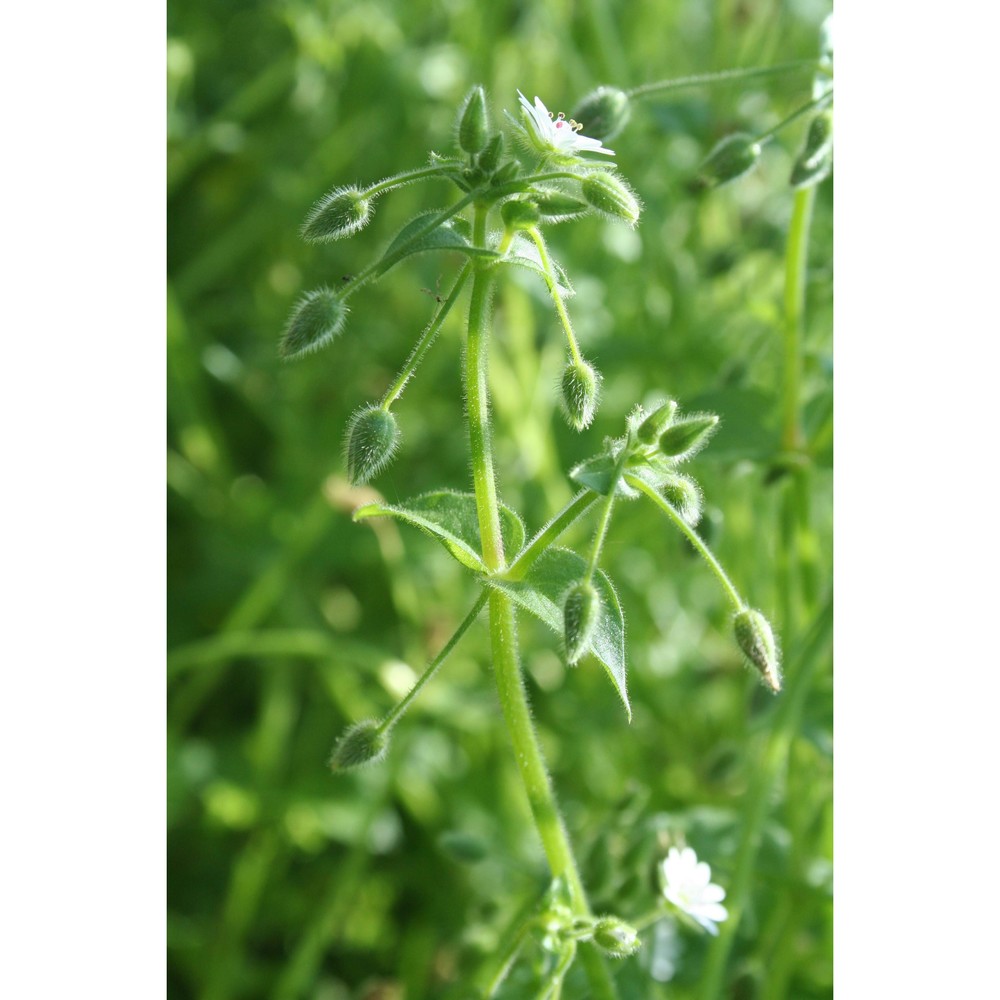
287,621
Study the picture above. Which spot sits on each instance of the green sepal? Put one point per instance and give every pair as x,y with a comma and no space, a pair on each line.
603,113
452,518
598,474
542,591
316,320
730,158
451,234
557,206
363,743
473,124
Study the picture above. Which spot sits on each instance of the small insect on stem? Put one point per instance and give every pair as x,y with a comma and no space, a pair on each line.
436,294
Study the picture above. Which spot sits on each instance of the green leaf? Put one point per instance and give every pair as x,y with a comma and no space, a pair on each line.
451,518
542,591
449,235
598,473
524,253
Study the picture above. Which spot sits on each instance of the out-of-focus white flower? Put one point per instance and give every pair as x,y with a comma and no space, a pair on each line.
687,884
556,134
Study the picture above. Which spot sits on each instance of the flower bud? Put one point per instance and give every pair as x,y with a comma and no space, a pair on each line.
730,158
603,113
688,435
581,609
371,440
473,125
611,196
341,212
755,638
362,743
557,206
616,937
684,496
581,385
657,422
519,214
317,318
506,173
489,158
813,163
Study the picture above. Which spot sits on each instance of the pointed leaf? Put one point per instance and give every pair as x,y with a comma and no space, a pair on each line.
524,253
451,518
597,474
542,591
449,235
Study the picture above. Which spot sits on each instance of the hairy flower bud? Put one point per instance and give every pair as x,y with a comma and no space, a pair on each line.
813,163
557,206
362,743
684,496
581,386
615,937
657,422
581,609
317,318
371,441
339,213
473,125
519,214
688,435
611,196
490,157
755,638
730,158
604,112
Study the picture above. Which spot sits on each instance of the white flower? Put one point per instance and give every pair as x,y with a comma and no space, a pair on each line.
687,884
556,134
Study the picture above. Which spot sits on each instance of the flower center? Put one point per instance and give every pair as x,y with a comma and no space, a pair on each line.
560,121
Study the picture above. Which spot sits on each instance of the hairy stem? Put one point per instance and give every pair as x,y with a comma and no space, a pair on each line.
526,558
427,338
503,631
434,665
550,281
823,98
692,536
722,76
407,177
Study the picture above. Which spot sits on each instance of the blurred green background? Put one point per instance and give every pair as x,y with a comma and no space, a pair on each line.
287,621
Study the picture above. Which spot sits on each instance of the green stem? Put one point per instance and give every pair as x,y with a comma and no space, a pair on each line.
550,281
722,76
796,259
774,757
477,402
556,526
390,720
692,537
609,503
426,340
503,633
379,267
552,988
797,113
407,177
